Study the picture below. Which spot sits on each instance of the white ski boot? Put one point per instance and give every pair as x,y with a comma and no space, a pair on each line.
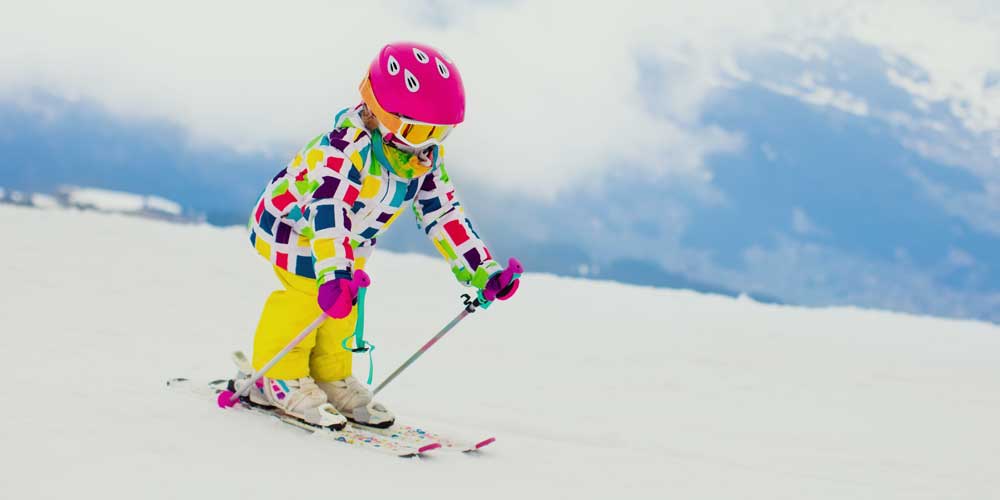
353,400
297,398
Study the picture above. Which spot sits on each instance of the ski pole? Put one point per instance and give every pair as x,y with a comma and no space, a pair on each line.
228,399
514,270
420,352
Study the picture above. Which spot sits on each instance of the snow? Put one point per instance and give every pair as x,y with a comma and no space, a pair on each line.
103,199
163,205
17,197
118,201
593,389
39,200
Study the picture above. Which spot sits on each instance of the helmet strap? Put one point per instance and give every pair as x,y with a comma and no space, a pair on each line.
370,120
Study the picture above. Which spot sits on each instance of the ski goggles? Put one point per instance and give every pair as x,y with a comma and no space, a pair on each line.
411,132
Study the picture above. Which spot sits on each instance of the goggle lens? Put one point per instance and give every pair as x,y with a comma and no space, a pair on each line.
419,133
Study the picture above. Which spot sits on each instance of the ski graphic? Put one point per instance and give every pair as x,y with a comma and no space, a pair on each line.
350,435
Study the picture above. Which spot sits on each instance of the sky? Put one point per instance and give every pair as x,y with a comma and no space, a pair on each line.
818,152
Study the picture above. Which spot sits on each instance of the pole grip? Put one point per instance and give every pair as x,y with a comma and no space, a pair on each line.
510,274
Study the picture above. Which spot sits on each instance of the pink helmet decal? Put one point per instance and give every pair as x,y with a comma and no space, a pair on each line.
417,81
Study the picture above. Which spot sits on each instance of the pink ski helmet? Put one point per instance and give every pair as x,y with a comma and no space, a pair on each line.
415,91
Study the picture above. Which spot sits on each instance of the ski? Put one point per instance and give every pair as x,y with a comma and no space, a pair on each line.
412,435
350,435
416,435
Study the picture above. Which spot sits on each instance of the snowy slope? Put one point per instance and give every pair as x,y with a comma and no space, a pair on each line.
119,201
594,390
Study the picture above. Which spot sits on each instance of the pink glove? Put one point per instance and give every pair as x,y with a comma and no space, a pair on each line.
502,285
337,297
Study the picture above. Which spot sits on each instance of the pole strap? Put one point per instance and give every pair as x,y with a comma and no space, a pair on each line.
360,345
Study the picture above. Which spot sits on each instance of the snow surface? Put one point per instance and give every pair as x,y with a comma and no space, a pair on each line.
17,197
118,201
593,389
163,205
39,200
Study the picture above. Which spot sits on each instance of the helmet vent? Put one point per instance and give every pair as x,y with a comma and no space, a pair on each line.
442,68
421,56
393,66
412,84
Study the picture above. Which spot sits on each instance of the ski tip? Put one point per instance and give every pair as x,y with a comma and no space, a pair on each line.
226,399
485,442
419,452
428,447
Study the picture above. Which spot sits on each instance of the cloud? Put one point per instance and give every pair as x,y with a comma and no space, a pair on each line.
552,87
958,258
956,47
804,225
808,90
981,209
556,89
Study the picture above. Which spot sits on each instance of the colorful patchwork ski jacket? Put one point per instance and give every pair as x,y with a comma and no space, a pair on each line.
319,217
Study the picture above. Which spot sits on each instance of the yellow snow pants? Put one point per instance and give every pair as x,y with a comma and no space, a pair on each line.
286,313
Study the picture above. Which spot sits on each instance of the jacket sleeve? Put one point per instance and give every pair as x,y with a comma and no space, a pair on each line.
334,183
441,216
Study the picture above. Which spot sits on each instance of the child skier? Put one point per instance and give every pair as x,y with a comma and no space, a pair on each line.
318,219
